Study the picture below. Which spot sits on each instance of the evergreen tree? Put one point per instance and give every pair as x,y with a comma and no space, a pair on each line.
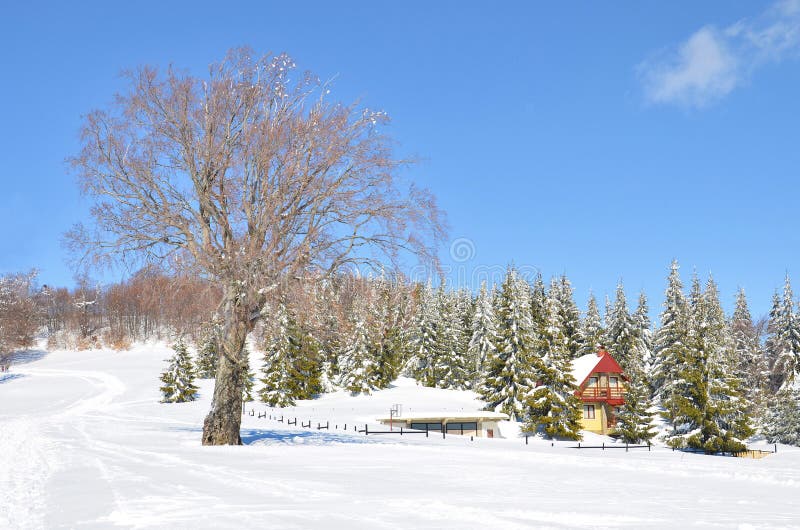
449,363
784,342
621,338
644,334
508,379
249,377
669,344
635,421
782,420
278,386
591,331
538,302
553,408
752,367
388,315
358,363
484,334
712,411
178,379
424,337
208,353
569,316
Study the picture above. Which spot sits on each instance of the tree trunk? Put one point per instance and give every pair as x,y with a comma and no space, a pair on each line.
221,426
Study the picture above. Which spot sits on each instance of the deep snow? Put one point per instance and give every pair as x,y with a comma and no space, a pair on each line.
85,443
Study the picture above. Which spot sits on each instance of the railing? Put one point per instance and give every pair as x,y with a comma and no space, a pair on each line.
603,392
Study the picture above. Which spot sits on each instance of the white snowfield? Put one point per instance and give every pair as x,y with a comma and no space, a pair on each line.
84,443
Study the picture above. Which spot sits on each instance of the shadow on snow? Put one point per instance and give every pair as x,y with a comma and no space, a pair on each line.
280,437
24,357
5,378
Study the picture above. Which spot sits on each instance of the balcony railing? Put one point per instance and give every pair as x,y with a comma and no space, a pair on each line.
603,392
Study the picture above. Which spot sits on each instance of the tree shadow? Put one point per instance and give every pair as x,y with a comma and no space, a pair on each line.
5,378
24,356
280,437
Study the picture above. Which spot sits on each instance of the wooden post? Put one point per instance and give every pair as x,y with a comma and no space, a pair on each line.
526,439
579,445
426,430
366,430
470,439
401,431
626,447
604,446
776,448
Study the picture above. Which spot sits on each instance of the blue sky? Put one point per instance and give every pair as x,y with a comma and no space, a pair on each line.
600,140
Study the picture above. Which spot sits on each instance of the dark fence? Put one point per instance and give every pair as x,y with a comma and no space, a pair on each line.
603,446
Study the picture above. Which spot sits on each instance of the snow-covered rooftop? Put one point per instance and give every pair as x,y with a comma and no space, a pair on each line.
451,415
583,366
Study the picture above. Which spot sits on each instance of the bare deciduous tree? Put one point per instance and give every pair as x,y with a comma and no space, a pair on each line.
248,176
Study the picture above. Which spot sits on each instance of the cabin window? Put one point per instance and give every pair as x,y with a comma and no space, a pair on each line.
592,381
614,381
588,412
427,426
462,427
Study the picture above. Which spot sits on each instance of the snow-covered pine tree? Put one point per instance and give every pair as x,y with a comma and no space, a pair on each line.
484,334
553,408
711,412
449,367
388,314
783,345
644,333
425,328
329,340
207,353
592,331
178,379
279,385
249,377
752,366
570,316
359,373
781,423
784,342
635,421
538,302
507,381
307,364
669,343
621,339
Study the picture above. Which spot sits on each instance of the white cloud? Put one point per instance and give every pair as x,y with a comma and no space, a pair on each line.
711,63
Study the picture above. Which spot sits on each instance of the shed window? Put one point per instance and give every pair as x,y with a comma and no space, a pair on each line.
614,381
465,426
588,412
592,381
427,426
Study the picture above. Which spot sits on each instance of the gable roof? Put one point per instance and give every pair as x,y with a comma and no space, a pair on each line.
584,366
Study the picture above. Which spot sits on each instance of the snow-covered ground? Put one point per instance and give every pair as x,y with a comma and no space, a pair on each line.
85,443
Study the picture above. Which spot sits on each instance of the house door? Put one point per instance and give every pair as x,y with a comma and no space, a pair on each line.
490,433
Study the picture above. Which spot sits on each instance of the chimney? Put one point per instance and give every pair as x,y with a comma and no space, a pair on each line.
602,351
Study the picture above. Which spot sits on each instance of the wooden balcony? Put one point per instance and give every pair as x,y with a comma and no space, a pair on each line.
611,394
